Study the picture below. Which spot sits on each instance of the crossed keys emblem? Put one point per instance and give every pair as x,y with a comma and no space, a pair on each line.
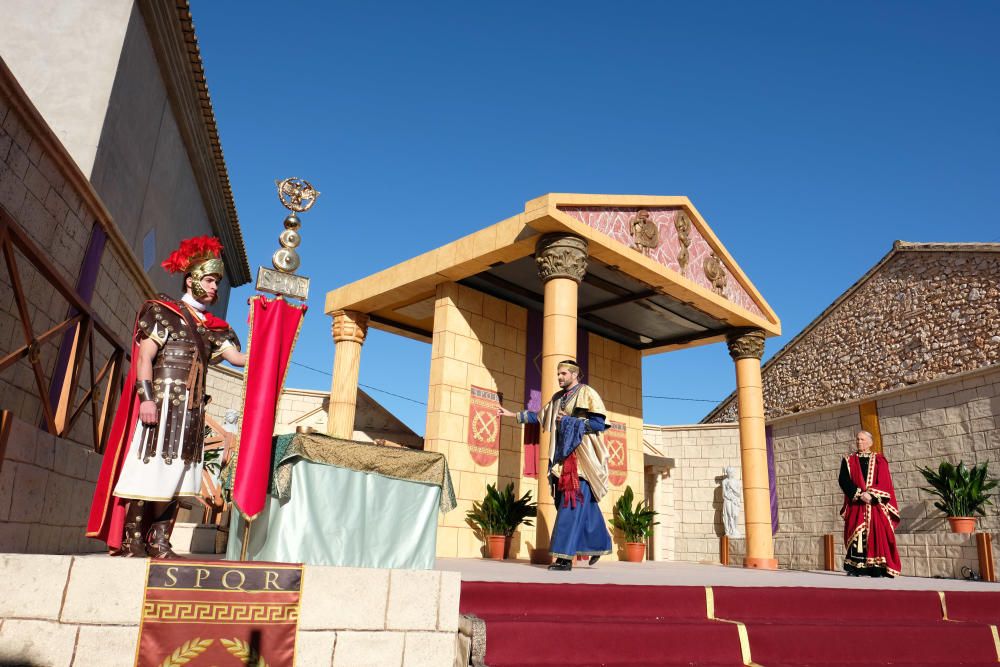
616,453
484,426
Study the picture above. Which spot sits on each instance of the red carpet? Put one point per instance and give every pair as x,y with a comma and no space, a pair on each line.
581,624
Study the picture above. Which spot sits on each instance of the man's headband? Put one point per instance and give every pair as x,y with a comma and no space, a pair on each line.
569,365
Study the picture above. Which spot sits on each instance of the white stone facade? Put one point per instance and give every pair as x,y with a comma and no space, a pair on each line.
690,493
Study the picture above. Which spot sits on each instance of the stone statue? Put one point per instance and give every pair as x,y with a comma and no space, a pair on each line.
732,503
230,420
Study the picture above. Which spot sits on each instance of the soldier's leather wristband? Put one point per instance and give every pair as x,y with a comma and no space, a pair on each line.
144,388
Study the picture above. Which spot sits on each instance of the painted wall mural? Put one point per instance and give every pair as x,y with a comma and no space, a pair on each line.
669,237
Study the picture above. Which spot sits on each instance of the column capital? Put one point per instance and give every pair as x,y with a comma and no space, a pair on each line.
561,256
349,325
745,344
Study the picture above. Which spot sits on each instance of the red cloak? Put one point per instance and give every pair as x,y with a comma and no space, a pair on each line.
874,524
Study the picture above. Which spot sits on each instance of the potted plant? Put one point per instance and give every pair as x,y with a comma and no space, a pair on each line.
963,493
500,514
636,524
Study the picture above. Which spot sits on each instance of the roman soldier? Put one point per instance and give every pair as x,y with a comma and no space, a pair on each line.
154,451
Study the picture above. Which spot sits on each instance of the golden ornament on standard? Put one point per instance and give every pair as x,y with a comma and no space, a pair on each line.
285,260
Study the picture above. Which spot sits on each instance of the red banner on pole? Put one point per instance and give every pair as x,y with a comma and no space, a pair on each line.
274,328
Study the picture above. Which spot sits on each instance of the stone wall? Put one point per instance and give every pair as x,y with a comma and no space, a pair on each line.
38,194
955,418
927,312
68,611
692,490
920,554
478,340
46,487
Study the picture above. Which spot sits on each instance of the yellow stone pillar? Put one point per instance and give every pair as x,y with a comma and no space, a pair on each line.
562,263
746,347
349,330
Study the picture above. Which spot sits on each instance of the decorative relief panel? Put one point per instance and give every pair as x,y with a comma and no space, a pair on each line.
676,244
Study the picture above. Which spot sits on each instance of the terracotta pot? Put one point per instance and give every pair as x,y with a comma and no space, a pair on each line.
962,524
496,545
635,552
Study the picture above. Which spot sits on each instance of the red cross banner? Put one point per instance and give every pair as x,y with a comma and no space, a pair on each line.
617,443
484,426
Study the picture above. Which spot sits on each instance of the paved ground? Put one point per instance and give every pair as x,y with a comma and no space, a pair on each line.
610,571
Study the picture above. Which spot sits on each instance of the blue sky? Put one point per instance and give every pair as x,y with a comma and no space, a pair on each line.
810,135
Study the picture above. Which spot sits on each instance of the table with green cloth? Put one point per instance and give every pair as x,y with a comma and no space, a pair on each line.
348,503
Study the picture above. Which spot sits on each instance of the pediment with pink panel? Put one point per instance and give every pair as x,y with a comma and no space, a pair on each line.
670,236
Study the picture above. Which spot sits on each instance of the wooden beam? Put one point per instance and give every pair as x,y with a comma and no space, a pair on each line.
621,300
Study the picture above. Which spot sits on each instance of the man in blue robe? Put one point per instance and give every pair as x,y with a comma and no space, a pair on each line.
578,466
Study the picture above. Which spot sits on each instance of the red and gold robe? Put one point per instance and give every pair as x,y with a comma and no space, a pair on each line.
870,528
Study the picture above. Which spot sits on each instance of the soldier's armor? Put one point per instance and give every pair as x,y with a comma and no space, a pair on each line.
179,379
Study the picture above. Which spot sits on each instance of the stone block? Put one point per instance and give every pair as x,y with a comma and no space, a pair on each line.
45,448
32,586
14,537
315,648
413,600
108,646
335,598
29,493
105,590
451,588
71,459
364,649
25,642
6,489
429,649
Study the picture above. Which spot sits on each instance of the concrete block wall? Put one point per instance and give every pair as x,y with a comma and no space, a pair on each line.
693,489
46,487
69,611
36,194
954,419
478,340
920,554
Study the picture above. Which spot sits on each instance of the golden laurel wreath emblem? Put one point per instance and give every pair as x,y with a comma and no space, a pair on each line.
241,650
187,652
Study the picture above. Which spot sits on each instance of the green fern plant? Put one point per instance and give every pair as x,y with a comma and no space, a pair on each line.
637,522
961,491
501,512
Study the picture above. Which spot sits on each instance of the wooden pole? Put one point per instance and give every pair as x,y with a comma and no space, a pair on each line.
984,547
828,553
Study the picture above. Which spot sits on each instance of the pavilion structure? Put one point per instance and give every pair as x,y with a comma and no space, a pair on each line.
604,279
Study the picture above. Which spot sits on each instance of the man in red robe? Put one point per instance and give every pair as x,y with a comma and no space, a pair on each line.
870,512
154,451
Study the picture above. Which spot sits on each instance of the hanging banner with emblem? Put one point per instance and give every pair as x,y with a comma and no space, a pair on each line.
484,426
617,443
219,613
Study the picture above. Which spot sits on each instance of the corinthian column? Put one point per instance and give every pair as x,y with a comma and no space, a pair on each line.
746,347
349,330
562,263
